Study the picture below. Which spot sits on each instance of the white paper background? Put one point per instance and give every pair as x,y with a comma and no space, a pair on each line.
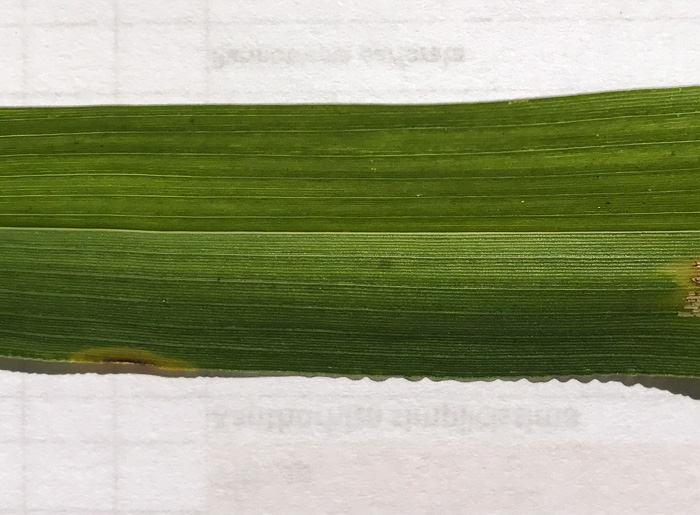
143,444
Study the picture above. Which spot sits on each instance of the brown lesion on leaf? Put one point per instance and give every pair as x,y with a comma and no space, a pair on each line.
695,279
691,307
128,356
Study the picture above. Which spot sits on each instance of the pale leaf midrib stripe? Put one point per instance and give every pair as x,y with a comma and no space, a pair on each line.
407,178
523,216
47,197
543,235
365,154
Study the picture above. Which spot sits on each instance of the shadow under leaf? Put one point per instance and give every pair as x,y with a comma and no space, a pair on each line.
688,386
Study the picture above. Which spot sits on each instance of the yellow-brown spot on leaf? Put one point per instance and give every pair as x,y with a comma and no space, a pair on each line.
125,355
686,274
692,305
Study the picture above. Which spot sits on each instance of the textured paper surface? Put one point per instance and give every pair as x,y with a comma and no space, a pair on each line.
140,444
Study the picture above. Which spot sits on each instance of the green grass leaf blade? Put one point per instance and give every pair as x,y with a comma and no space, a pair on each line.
545,237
